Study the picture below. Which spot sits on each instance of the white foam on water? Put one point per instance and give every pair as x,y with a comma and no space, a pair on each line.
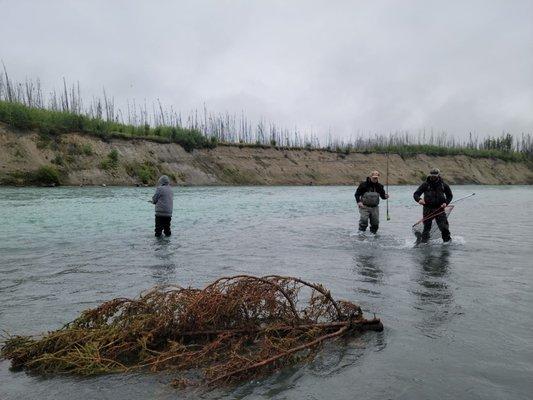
393,242
455,242
381,240
357,233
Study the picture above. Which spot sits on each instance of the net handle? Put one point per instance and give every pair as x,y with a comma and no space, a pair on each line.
440,211
434,214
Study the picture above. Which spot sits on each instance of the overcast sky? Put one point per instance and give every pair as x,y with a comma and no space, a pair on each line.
345,66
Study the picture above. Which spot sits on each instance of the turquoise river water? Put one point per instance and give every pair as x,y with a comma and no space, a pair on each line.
458,318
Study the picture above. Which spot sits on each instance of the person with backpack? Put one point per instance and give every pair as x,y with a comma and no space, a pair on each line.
367,197
437,195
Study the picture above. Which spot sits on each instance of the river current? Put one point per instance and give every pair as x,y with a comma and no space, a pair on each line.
458,318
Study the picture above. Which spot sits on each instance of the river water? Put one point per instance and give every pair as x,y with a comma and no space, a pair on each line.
458,318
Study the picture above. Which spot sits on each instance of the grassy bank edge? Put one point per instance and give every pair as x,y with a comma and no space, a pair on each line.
49,122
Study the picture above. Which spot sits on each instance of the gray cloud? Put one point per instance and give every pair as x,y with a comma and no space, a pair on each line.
346,66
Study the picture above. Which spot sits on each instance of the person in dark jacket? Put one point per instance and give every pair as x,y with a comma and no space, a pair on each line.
367,197
163,200
437,195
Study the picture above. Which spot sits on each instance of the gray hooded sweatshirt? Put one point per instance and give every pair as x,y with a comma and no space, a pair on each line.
163,198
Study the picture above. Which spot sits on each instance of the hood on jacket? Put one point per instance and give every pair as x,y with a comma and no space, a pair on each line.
163,180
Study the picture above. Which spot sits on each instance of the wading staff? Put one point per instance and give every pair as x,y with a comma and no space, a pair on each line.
388,216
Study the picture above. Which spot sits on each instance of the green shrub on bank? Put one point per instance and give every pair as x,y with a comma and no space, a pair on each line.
146,173
15,178
111,161
87,149
113,156
58,160
46,175
50,122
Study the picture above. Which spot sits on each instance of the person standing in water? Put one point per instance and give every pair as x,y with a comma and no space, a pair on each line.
367,196
163,200
437,195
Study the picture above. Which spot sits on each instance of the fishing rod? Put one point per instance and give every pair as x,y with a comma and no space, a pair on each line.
388,216
440,210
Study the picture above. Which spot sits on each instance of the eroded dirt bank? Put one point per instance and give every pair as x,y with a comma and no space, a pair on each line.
85,160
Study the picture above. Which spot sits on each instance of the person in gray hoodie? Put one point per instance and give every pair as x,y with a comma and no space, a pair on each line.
163,200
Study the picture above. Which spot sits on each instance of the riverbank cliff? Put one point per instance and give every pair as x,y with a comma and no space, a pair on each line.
28,158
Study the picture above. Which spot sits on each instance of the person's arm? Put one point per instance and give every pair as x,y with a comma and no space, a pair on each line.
448,193
359,192
382,193
156,195
418,192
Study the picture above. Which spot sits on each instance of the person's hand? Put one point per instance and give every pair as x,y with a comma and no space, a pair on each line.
360,204
422,202
386,195
443,205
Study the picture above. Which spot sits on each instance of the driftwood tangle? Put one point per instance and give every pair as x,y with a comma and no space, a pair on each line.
234,329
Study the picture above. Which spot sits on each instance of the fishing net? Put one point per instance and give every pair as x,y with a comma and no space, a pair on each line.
419,226
234,329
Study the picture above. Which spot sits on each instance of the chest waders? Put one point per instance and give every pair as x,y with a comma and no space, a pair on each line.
369,211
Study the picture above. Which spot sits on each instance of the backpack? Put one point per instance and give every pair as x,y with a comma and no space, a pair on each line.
371,199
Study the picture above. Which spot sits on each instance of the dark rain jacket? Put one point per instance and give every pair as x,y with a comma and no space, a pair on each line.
435,193
369,186
163,198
